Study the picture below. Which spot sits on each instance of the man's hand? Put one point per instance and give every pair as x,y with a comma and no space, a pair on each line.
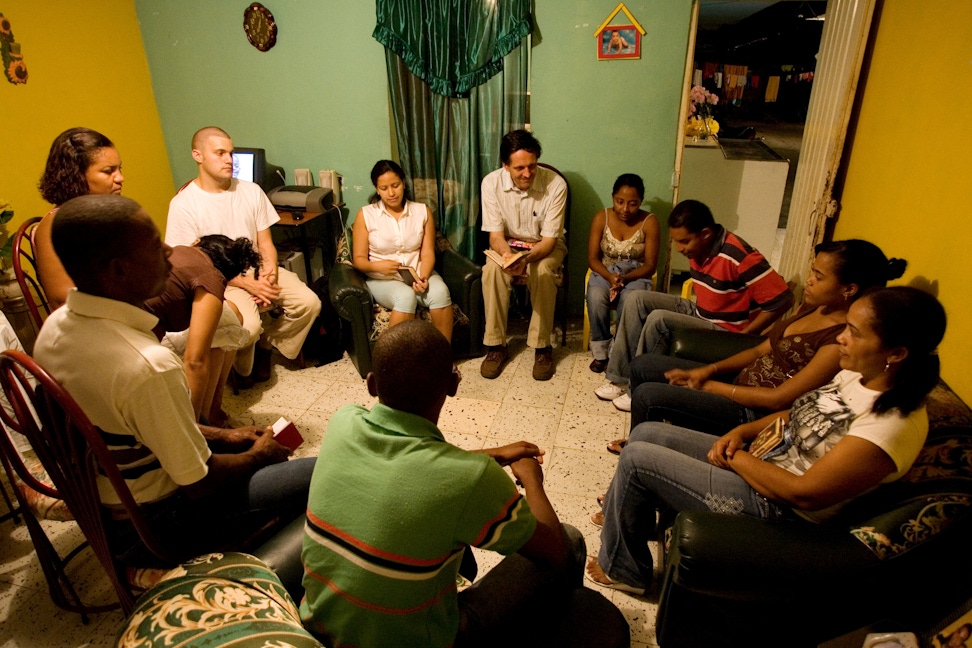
725,447
519,267
269,451
527,472
242,439
508,454
263,290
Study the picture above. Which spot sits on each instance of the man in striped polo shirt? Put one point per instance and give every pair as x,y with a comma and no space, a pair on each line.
393,506
735,290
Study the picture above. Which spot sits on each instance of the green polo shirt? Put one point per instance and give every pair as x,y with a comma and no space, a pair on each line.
392,505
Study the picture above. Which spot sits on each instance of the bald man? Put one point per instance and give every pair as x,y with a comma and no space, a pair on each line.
217,203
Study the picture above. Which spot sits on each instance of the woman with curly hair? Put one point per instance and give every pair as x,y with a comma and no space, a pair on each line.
81,161
195,320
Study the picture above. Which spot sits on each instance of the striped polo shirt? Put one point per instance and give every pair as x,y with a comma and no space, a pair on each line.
392,506
735,283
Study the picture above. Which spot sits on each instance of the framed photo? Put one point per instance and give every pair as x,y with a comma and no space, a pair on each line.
954,630
619,42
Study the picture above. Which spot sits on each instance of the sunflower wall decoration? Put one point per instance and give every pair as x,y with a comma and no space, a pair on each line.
13,63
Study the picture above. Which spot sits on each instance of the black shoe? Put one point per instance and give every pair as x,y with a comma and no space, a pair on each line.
261,364
598,366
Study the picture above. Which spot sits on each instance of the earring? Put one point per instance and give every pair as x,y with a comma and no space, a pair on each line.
887,365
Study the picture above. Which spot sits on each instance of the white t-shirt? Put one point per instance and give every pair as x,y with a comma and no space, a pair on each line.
821,418
391,240
241,211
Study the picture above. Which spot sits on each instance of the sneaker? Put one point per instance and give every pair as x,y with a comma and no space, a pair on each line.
610,391
623,402
543,367
493,362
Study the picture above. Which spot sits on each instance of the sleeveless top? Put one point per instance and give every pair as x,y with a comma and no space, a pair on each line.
613,250
788,354
391,240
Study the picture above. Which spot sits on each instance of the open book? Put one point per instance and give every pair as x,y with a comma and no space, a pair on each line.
498,259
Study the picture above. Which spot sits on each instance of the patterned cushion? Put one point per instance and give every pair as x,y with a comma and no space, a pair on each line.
217,600
929,498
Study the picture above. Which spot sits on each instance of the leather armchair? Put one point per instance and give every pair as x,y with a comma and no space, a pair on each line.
900,552
353,302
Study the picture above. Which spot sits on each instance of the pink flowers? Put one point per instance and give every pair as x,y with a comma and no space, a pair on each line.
700,100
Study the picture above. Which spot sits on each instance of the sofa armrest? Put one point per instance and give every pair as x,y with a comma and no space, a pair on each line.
706,346
459,273
348,290
739,557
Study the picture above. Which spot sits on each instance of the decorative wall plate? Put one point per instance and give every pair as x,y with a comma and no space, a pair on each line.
260,28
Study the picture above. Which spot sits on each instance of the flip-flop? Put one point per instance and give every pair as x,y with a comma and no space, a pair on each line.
616,446
597,518
615,585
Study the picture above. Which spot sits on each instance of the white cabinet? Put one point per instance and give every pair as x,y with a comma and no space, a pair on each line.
745,195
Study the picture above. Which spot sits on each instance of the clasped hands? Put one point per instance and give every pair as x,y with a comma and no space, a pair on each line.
691,378
263,290
724,449
523,458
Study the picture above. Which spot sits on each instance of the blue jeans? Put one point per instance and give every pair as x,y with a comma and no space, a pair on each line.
190,527
641,309
666,466
520,603
599,304
653,399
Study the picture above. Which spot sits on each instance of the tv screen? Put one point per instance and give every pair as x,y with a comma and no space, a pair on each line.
250,164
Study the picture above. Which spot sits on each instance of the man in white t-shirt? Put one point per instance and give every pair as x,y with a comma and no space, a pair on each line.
217,203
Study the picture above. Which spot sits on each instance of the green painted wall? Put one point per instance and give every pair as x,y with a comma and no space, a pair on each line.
319,98
599,119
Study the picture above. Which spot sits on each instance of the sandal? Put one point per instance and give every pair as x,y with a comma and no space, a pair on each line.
597,519
616,446
610,584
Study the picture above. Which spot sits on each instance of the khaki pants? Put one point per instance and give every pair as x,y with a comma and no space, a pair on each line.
541,283
287,332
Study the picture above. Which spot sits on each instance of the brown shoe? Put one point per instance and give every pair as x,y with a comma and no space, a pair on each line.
493,362
543,367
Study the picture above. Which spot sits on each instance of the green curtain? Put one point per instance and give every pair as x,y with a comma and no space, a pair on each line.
447,141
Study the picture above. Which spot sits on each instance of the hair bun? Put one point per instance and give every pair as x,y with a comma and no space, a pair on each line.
896,268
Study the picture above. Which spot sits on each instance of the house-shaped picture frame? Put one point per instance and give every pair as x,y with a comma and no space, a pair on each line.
619,41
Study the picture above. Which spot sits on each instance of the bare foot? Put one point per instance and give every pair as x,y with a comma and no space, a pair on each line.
595,573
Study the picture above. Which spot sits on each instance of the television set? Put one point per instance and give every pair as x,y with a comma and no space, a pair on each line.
250,164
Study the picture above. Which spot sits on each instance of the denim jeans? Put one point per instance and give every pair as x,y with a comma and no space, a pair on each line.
189,527
599,304
520,603
653,399
632,321
664,465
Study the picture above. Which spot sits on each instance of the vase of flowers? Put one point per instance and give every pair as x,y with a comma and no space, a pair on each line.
701,124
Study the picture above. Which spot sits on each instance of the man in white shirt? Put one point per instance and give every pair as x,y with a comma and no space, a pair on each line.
217,203
522,203
198,486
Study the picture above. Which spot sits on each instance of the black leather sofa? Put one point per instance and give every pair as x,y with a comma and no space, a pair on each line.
900,555
351,299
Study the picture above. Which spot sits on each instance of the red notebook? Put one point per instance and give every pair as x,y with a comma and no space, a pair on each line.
285,433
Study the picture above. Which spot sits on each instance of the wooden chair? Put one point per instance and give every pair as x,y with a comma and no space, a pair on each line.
37,500
73,453
25,269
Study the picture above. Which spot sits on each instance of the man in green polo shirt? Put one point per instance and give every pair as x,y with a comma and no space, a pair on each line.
393,506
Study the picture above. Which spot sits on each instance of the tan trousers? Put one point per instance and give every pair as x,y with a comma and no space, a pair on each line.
541,282
287,332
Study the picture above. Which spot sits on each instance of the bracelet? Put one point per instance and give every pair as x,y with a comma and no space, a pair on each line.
732,396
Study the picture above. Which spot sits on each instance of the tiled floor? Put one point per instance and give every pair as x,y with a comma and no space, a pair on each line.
562,415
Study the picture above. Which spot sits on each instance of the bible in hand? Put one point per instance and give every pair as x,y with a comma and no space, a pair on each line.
770,437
